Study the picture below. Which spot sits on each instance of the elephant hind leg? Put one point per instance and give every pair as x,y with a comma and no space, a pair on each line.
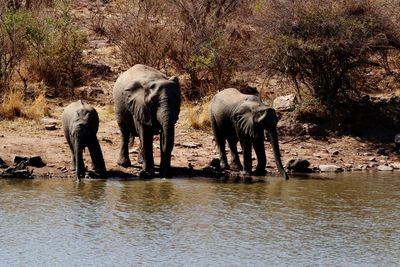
220,142
97,157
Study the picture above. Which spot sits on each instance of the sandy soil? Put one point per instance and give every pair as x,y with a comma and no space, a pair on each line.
193,148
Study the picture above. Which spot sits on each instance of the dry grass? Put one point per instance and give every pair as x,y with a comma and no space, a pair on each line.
106,113
14,106
198,115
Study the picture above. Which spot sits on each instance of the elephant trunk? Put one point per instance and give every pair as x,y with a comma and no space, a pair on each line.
167,144
273,136
79,165
79,146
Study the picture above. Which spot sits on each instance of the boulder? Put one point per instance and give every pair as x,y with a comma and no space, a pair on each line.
285,103
19,171
298,165
329,168
34,161
313,129
384,168
395,165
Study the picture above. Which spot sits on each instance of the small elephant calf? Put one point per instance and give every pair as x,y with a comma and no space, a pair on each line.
80,124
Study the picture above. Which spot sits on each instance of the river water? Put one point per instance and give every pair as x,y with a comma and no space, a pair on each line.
337,220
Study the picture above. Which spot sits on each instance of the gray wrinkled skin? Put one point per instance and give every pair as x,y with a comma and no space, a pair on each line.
147,103
238,117
80,124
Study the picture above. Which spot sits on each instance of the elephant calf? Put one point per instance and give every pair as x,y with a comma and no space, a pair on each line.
239,117
80,124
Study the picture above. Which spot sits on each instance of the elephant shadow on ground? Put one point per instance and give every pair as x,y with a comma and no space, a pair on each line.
181,173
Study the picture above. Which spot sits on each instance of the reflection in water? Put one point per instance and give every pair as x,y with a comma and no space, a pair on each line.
352,219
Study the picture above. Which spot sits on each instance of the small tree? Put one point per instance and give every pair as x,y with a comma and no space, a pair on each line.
328,47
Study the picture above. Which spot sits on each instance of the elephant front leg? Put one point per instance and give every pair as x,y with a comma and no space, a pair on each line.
246,146
79,164
124,151
258,146
146,139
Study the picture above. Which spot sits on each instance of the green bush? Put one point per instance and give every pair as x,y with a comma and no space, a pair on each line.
46,43
56,48
12,45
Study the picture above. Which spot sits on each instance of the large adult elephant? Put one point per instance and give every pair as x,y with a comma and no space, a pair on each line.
239,117
80,124
147,103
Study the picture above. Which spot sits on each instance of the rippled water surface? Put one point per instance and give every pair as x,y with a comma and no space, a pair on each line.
351,219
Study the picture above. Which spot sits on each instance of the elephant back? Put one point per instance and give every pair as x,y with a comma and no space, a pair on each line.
81,113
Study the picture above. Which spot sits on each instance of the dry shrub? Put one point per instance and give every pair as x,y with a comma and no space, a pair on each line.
326,48
97,18
38,4
14,106
200,39
141,33
209,43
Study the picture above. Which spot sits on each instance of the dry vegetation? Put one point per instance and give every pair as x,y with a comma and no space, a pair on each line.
332,53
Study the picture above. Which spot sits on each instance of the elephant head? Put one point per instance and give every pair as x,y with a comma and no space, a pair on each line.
253,119
157,106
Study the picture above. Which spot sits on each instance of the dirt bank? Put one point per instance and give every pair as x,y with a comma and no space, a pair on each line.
193,148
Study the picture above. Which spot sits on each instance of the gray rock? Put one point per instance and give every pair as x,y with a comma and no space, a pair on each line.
384,168
329,168
50,127
34,161
285,103
395,165
191,145
313,129
298,165
3,164
48,120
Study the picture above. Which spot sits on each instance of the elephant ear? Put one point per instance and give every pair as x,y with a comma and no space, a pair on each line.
266,117
244,120
138,105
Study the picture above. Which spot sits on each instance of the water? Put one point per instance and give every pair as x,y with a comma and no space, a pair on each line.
342,220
